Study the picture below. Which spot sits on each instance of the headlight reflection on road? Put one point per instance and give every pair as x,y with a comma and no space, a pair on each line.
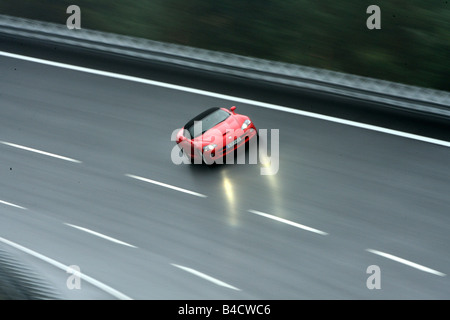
228,190
230,197
273,186
266,163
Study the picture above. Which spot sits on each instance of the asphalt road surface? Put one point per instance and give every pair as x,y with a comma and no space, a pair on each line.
87,180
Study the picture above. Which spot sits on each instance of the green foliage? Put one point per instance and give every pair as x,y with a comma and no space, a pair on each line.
412,47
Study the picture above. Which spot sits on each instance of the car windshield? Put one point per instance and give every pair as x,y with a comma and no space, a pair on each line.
206,121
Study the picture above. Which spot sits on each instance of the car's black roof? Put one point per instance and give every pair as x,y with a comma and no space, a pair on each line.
200,117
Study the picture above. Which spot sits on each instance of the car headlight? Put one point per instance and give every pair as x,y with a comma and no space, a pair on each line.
246,124
209,147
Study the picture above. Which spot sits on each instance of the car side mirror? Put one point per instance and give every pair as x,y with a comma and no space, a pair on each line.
232,109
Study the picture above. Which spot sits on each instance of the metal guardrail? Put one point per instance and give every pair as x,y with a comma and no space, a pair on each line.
394,94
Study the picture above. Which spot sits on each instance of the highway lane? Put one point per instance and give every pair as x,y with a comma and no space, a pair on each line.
313,101
365,189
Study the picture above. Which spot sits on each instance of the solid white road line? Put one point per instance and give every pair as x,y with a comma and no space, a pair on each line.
166,185
228,97
12,205
65,268
39,151
408,263
100,235
297,225
206,277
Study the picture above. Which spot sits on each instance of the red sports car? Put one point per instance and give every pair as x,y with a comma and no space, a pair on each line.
214,133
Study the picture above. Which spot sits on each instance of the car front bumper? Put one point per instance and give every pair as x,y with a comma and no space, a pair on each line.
218,154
